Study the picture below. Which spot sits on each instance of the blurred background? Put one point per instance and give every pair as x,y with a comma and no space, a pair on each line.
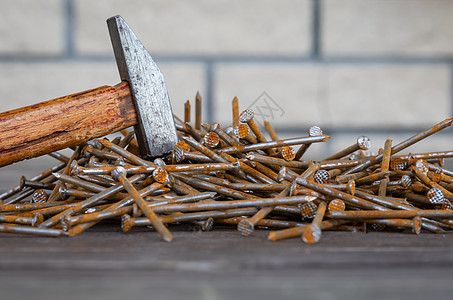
353,67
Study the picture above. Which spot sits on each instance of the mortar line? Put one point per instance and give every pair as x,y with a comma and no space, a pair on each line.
69,28
316,29
250,60
309,60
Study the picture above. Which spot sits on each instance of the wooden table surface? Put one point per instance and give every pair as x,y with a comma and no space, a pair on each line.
105,263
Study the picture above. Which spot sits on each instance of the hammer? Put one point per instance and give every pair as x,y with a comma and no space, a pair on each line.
141,99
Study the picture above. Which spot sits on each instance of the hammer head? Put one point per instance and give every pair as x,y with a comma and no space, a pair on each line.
156,132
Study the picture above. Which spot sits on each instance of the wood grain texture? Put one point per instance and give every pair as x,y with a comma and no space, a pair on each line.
106,263
64,122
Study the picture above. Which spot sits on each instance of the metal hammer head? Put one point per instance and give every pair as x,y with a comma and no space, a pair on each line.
156,132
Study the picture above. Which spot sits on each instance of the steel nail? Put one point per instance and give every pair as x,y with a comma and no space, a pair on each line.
247,117
246,226
120,174
187,111
235,111
198,111
297,231
312,131
312,233
24,183
363,142
403,145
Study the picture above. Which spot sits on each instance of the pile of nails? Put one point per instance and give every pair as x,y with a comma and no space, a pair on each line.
234,176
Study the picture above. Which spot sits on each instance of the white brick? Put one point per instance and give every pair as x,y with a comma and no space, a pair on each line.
293,88
183,82
336,96
397,27
31,27
28,83
201,27
402,96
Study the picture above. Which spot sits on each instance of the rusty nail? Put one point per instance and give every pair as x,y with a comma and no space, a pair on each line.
312,233
120,174
312,131
235,111
187,111
247,117
198,111
362,142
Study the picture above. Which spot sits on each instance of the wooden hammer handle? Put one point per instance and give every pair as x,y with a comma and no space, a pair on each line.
64,122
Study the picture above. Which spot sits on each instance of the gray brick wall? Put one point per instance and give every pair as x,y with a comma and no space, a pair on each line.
353,67
406,28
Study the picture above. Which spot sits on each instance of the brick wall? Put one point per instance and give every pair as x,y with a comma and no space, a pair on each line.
352,67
